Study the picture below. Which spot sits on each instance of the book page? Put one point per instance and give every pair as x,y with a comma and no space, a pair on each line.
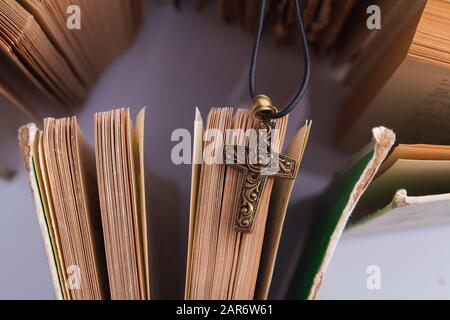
404,213
279,201
29,140
138,147
413,103
418,177
197,158
415,152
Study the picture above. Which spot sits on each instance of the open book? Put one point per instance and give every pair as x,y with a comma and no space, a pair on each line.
60,47
384,188
92,209
223,262
51,54
410,190
361,46
402,79
90,205
332,214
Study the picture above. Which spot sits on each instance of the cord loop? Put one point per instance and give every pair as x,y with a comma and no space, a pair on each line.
264,112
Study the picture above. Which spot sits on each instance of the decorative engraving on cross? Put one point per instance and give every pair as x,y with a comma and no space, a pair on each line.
258,164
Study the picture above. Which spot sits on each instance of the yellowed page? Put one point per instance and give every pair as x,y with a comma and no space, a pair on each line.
279,202
136,176
419,177
195,176
415,152
28,140
50,216
139,147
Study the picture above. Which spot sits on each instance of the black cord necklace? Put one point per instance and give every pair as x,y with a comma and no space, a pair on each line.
262,105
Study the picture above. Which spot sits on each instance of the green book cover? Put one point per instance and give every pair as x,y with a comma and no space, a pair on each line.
333,211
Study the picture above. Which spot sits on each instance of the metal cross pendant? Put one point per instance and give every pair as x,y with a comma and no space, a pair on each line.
257,167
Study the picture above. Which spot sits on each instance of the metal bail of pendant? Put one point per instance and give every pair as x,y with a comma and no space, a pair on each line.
262,104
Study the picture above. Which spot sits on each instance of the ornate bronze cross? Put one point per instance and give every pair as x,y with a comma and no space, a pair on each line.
257,168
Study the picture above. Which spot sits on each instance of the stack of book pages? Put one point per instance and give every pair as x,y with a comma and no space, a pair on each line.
95,213
51,54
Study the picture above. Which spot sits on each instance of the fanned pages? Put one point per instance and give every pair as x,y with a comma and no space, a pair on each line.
63,171
121,188
95,234
60,47
51,54
29,137
93,212
223,263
